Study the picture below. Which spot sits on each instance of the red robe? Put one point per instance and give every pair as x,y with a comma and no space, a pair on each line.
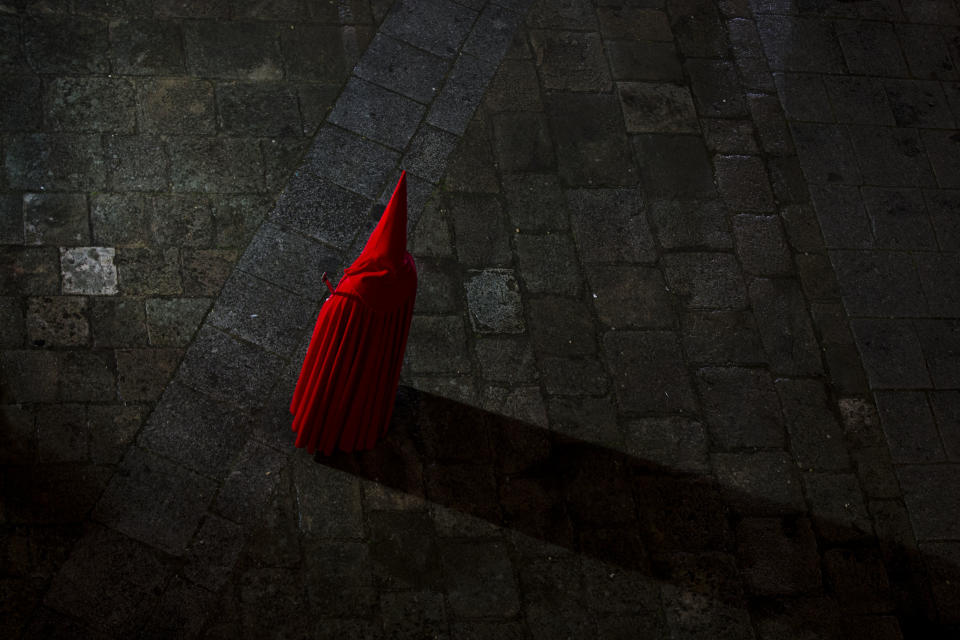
348,382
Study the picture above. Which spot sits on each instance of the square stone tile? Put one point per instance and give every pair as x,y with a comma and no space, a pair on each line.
341,212
479,579
743,183
437,344
57,322
820,54
435,26
522,142
142,374
826,153
591,148
548,264
726,391
705,280
121,219
676,443
515,87
376,113
891,156
859,100
480,229
674,166
88,270
350,161
899,217
149,270
870,48
762,246
55,218
171,322
909,427
570,61
722,337
891,353
641,60
561,326
176,105
879,284
493,301
461,94
631,296
258,109
535,202
427,156
804,97
842,216
146,47
609,225
64,161
690,224
653,107
931,493
759,482
233,50
492,33
215,165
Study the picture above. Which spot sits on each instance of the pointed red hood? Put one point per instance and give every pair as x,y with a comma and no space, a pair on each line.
384,275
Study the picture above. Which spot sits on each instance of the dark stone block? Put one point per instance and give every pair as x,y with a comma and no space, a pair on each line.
591,149
515,87
638,60
261,313
493,301
62,433
649,371
535,202
251,483
90,104
522,142
573,377
493,31
548,264
650,107
112,429
576,16
782,37
697,28
87,376
341,212
879,284
748,52
674,166
171,322
779,555
817,277
570,61
55,218
826,153
339,579
461,94
893,157
377,113
437,344
205,270
241,50
480,228
270,600
428,153
182,611
940,276
561,327
942,148
678,444
278,256
138,163
722,337
628,22
870,48
402,68
120,219
940,341
725,392
743,183
213,552
918,103
29,271
690,224
142,374
229,371
505,359
759,482
20,102
891,353
216,165
403,550
716,89
62,162
414,614
110,582
258,109
761,245
705,280
155,501
146,47
859,100
843,219
899,218
60,321
785,327
12,326
69,45
909,427
927,54
176,105
144,271
804,97
721,609
118,322
236,218
816,438
628,296
480,579
589,419
729,136
315,101
436,26
183,220
859,580
931,493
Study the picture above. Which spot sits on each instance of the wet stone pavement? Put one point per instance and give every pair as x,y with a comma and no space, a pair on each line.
684,357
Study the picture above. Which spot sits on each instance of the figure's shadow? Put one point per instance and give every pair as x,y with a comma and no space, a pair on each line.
643,516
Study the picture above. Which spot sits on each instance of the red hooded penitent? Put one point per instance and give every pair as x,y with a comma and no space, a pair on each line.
345,393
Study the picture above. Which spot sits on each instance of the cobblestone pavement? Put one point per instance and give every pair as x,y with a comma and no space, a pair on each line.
655,242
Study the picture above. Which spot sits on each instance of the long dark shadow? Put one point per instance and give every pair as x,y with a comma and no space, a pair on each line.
643,516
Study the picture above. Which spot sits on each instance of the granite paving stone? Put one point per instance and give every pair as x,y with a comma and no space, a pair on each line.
258,109
437,26
609,225
173,322
493,31
892,353
60,321
650,357
377,113
90,104
674,166
55,218
522,142
243,380
242,50
721,337
759,482
61,44
494,302
899,218
631,296
340,210
41,161
535,202
216,165
461,94
859,100
118,219
650,107
145,47
479,229
705,280
590,151
785,328
261,313
181,219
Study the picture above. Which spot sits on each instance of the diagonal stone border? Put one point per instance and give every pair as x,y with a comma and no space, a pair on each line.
217,433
